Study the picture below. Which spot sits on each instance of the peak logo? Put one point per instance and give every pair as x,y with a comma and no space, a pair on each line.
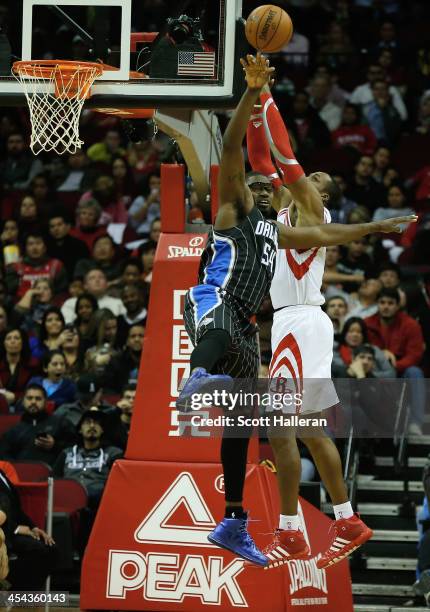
194,248
173,576
155,527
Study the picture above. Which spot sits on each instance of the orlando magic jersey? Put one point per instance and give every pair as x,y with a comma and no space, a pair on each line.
241,260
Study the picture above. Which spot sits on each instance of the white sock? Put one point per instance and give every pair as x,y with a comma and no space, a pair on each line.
343,511
289,522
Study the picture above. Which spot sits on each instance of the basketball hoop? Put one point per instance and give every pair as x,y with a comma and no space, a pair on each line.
56,91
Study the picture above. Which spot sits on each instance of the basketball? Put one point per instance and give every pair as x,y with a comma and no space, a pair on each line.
269,28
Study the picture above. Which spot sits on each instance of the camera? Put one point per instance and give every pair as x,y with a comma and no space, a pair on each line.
183,27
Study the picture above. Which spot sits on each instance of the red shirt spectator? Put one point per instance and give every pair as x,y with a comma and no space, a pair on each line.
21,276
395,332
352,134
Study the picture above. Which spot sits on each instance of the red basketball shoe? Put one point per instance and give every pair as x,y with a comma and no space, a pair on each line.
348,535
286,546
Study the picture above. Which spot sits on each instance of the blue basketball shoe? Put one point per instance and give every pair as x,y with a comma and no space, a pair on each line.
201,382
232,535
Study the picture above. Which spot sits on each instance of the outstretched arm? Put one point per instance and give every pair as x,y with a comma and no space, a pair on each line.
234,195
261,160
307,199
335,233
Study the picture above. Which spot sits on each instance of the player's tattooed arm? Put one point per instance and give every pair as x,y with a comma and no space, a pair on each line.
335,233
234,195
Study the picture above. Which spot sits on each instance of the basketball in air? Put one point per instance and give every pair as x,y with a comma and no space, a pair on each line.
268,28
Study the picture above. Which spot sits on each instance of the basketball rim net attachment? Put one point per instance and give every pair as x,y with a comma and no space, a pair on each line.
56,91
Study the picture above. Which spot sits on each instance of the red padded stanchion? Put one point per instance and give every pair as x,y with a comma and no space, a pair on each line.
157,556
173,198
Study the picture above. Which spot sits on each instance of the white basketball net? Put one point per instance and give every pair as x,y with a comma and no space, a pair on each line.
55,102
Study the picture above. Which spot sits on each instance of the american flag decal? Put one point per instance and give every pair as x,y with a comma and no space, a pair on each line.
196,63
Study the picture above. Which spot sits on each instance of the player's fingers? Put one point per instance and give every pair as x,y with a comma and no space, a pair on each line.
250,58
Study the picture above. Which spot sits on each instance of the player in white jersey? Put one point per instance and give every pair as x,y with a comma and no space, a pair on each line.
302,344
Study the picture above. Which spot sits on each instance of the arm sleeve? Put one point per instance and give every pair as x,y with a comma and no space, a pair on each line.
259,149
279,141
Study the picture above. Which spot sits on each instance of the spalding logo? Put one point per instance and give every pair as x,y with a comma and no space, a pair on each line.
192,250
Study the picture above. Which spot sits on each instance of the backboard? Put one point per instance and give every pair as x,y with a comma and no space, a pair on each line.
155,53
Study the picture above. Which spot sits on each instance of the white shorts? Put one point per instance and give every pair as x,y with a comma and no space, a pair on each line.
302,353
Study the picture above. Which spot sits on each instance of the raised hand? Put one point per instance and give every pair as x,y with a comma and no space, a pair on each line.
389,226
257,70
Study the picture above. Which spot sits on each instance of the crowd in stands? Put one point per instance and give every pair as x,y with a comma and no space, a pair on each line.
78,234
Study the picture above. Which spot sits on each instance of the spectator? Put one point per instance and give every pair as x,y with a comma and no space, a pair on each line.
51,333
401,339
306,127
39,436
330,113
333,279
40,190
382,115
33,305
113,208
76,177
366,303
363,189
143,158
134,299
395,205
28,216
59,389
337,95
355,263
124,180
389,275
35,264
19,167
423,121
107,150
388,37
337,49
88,229
132,272
381,160
336,309
354,334
103,257
147,255
146,207
395,73
36,552
362,94
123,413
16,364
88,395
352,133
123,369
343,205
296,53
73,352
62,245
99,356
95,283
9,239
155,230
89,462
363,362
85,308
